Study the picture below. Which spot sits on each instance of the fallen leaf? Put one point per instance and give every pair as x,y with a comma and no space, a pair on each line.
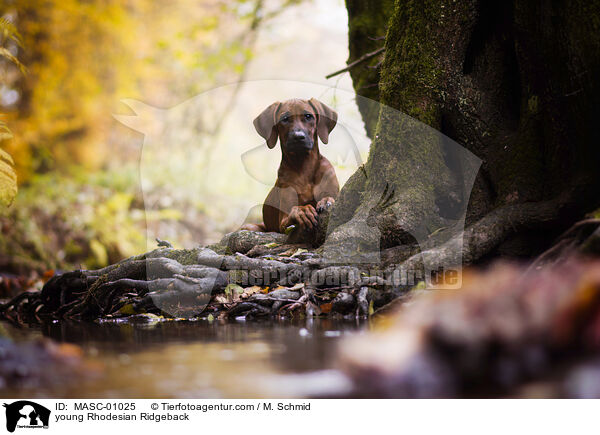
299,251
233,292
127,309
47,275
325,308
222,299
249,291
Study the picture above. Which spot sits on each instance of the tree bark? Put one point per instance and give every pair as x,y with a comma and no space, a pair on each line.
512,82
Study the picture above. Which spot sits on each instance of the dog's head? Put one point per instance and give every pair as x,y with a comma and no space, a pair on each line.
297,124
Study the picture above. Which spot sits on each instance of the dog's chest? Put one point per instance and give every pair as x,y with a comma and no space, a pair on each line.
305,195
304,190
301,181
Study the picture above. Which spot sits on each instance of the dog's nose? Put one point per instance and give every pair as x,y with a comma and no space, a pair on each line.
297,135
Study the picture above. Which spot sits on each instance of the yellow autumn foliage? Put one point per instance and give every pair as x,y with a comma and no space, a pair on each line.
84,57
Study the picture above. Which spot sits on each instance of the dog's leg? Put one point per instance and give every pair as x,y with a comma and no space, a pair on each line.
327,189
324,204
254,227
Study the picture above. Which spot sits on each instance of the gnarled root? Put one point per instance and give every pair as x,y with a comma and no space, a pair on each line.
187,283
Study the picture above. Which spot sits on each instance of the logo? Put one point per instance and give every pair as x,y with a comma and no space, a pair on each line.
26,414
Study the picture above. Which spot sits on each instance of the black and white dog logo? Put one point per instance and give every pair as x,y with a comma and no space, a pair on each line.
26,414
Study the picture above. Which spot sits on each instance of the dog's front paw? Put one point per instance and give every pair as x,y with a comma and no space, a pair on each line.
303,215
325,203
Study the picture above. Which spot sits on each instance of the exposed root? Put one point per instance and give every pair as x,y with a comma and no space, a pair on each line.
484,236
200,284
583,238
277,282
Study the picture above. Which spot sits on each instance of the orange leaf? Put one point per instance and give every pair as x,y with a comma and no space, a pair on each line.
47,275
325,308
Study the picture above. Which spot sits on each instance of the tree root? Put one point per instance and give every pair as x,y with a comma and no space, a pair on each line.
484,236
178,283
199,282
582,238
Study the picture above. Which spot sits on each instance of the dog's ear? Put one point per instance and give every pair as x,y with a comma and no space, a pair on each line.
327,118
265,124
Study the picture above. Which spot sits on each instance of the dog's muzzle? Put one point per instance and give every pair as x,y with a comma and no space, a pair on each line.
298,140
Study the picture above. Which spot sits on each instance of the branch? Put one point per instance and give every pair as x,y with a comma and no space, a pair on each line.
356,62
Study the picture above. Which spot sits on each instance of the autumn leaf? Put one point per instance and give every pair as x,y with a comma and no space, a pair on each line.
8,31
47,275
299,251
127,309
8,178
233,292
249,291
325,308
8,55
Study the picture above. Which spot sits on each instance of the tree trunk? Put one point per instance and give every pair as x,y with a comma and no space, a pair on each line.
367,26
514,84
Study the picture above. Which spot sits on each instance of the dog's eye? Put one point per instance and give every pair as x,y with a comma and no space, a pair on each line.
285,119
308,116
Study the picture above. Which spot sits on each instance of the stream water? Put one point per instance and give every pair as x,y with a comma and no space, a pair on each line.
200,359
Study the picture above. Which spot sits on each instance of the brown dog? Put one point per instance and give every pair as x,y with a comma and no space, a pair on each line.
306,181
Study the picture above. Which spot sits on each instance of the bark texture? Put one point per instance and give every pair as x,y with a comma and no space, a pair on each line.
512,82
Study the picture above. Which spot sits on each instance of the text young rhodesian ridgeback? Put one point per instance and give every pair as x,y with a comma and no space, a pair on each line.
306,181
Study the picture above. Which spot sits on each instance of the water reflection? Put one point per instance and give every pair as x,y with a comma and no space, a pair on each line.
204,359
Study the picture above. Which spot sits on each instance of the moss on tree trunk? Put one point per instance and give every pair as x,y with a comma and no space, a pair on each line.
512,82
367,25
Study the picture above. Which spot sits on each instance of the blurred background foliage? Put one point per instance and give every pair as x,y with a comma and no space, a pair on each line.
64,67
83,56
8,176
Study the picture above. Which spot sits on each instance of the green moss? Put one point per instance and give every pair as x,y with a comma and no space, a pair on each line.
367,21
406,152
220,248
411,72
183,256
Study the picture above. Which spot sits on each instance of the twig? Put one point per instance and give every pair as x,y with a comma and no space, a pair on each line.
17,300
356,62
